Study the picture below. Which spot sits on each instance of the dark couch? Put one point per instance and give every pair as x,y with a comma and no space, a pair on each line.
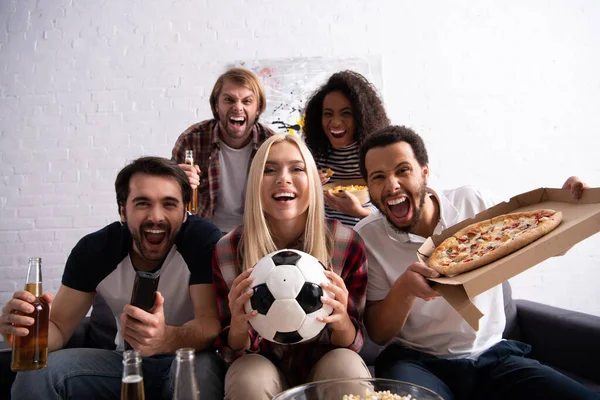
566,340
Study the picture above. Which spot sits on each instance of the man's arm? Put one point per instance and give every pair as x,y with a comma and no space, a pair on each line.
148,333
202,331
66,312
385,318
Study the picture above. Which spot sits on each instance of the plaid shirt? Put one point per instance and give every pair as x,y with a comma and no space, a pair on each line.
203,139
296,360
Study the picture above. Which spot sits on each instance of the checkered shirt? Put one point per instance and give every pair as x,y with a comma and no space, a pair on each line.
203,139
295,360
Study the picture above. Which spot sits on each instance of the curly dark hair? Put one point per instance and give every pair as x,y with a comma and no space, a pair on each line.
367,108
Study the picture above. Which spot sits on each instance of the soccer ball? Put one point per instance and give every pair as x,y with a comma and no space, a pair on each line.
287,295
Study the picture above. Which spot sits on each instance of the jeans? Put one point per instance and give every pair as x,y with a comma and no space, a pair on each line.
502,372
83,373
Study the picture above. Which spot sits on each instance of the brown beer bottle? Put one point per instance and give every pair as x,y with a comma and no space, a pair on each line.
192,206
31,352
132,383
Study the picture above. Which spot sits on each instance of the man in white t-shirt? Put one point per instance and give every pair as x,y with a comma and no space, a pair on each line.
224,146
427,342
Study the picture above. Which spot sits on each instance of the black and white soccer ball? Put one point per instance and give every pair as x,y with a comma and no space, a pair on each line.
287,295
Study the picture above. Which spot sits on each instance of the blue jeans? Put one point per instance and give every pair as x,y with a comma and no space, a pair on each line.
502,372
96,374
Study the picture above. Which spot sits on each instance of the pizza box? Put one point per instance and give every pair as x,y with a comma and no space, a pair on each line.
581,219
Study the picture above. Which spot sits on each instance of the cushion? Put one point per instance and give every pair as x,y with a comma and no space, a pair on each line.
511,331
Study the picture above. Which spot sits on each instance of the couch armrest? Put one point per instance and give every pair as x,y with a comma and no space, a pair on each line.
562,338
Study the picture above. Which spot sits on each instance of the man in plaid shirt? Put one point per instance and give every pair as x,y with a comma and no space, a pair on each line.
224,147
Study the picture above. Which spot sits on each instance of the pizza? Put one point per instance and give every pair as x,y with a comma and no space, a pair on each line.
328,172
483,242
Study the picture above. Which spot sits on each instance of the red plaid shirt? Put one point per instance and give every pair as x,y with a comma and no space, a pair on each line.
203,139
295,360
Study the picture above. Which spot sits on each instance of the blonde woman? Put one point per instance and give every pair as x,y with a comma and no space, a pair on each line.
286,211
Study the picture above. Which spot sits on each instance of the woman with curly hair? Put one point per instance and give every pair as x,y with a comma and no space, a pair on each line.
337,117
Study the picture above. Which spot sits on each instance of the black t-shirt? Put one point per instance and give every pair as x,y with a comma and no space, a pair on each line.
100,262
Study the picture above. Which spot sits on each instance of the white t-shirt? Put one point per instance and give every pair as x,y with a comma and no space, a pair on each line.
433,326
233,166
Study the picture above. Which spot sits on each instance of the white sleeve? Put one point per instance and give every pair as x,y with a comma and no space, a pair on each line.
378,287
487,199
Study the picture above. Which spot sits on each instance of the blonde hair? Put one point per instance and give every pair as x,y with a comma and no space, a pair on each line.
242,77
257,241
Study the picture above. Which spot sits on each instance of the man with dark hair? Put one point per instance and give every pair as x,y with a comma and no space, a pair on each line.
427,342
157,236
224,146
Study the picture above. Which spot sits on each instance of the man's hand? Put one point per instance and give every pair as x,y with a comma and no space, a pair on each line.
575,186
145,332
13,324
193,174
413,281
385,318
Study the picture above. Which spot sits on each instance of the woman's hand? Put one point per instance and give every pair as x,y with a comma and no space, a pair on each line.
345,202
239,294
324,176
343,330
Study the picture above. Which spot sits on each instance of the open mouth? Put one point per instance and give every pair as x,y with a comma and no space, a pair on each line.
399,207
237,122
284,196
338,134
155,237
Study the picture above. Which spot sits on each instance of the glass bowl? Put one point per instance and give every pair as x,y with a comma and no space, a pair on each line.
335,389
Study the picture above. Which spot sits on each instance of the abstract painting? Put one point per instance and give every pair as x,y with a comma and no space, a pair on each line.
290,82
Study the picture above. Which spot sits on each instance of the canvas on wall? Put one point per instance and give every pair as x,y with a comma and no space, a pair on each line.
290,82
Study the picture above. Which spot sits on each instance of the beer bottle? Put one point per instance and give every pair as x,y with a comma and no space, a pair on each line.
132,383
31,352
186,386
193,204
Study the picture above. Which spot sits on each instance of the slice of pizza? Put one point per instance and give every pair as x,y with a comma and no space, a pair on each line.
486,241
329,172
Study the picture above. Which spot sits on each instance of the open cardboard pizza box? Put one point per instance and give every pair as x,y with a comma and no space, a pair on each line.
581,219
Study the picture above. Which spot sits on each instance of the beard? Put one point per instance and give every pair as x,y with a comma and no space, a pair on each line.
232,133
144,253
418,211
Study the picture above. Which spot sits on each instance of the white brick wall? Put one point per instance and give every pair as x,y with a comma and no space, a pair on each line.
87,86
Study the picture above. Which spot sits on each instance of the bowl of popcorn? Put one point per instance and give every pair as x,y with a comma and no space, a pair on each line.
357,187
358,389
